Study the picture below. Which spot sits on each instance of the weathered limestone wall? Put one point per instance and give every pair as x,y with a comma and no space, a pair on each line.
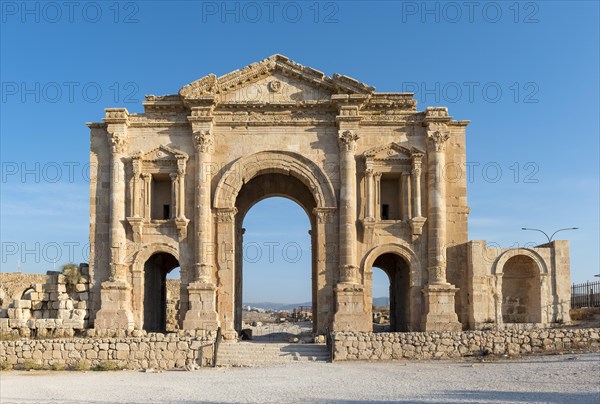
173,304
54,307
156,351
542,274
420,345
12,285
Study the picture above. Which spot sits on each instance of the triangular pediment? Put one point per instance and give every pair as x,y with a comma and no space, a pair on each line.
273,79
161,153
391,151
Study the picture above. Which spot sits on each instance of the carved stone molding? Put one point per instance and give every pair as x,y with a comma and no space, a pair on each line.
437,139
225,215
347,140
324,215
181,224
204,141
137,225
118,141
368,229
348,273
416,224
417,163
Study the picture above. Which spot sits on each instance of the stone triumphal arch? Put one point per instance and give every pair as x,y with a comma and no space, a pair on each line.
171,186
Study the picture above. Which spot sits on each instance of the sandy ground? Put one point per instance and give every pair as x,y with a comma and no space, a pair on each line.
571,378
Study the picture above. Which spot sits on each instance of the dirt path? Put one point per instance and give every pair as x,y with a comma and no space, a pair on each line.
550,379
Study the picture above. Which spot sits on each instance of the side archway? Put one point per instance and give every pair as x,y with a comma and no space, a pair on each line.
402,267
520,276
149,268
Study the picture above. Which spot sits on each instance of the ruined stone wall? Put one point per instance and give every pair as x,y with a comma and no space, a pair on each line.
13,284
173,305
420,345
147,350
52,307
497,297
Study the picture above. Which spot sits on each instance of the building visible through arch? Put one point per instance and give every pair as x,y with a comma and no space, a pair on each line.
171,186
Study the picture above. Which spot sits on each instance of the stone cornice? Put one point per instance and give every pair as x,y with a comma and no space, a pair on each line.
211,85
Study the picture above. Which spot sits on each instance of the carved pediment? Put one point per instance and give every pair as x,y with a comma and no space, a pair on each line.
275,75
162,153
390,152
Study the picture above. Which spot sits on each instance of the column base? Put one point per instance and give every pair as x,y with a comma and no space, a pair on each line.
201,314
441,314
350,313
115,307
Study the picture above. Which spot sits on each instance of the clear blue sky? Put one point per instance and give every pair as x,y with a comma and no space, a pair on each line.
543,125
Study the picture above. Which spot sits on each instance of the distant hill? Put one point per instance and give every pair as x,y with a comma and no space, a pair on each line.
378,301
381,301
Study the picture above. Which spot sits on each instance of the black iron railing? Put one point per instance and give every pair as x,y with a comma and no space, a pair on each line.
585,295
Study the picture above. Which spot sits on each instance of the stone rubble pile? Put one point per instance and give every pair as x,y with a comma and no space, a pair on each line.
56,307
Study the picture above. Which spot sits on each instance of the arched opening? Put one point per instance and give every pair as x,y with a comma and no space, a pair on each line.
381,300
521,291
275,267
26,295
156,268
398,273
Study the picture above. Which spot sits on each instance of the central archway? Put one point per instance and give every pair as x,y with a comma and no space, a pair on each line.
257,177
260,188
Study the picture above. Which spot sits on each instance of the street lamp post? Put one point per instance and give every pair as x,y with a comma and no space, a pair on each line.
545,234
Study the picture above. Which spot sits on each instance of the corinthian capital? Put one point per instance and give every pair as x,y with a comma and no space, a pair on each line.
437,139
203,141
118,142
347,140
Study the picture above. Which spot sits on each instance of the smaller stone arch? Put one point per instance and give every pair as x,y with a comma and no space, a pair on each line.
401,249
505,256
139,260
520,275
140,257
26,294
402,267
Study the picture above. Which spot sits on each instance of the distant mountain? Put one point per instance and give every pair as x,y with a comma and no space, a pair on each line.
378,301
381,302
277,306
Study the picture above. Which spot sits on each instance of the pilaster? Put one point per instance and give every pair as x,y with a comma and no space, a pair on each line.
439,294
202,311
350,311
115,311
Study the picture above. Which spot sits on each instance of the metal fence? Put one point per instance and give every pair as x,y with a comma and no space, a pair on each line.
585,295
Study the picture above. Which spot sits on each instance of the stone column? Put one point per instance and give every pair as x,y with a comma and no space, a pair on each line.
227,253
147,195
377,176
417,221
202,312
350,313
370,197
439,294
348,269
136,187
416,184
115,311
174,190
436,211
405,196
